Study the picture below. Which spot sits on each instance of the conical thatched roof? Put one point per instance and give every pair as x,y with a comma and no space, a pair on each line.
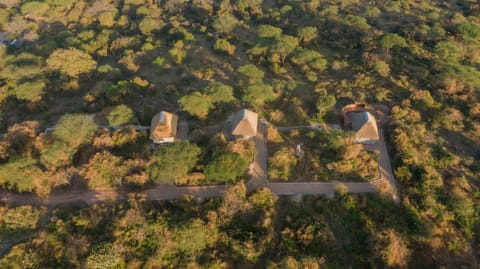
244,123
364,124
163,125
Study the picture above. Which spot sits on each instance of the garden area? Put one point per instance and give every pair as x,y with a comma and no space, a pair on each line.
319,155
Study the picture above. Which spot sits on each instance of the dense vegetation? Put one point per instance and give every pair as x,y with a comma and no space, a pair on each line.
238,231
294,62
319,155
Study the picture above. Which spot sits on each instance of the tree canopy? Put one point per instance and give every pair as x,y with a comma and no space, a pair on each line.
74,129
71,62
258,94
172,162
121,115
226,167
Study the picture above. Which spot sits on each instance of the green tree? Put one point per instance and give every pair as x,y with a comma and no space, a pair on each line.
391,40
193,237
252,72
21,67
196,104
258,94
29,91
448,52
281,164
382,68
219,92
20,174
225,24
469,30
310,58
173,161
178,52
324,104
149,25
36,8
71,62
57,154
307,34
75,129
223,45
121,115
226,167
357,22
19,218
104,171
268,31
255,6
282,47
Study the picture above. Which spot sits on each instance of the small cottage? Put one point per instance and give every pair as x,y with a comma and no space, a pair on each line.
163,128
358,119
243,124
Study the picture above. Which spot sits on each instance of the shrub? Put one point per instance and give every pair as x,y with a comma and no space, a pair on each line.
281,165
225,24
224,46
173,161
307,34
469,30
268,31
104,171
34,7
252,72
74,129
121,115
196,104
71,62
258,94
226,167
30,91
19,218
107,18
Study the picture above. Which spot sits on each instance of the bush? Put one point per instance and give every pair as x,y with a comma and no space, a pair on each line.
104,171
104,255
224,46
258,94
268,31
74,129
30,91
311,58
34,7
121,115
469,30
226,167
107,18
252,72
307,34
281,165
71,62
19,218
20,174
225,24
173,161
148,25
196,104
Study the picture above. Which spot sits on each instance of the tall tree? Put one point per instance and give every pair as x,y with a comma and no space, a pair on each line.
71,62
75,129
173,161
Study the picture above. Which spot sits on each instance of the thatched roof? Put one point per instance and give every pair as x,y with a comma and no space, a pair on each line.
163,125
244,123
364,124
